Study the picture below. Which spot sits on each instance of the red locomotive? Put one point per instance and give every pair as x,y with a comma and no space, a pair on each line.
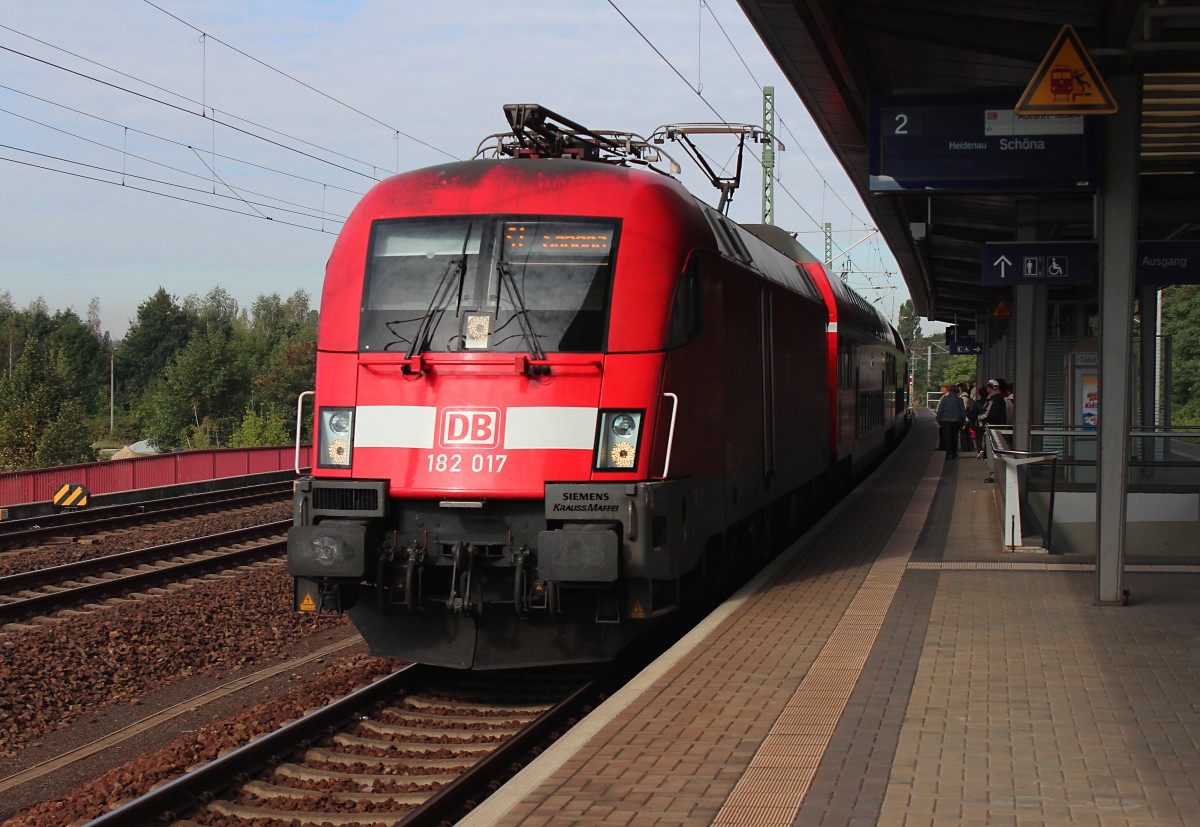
558,397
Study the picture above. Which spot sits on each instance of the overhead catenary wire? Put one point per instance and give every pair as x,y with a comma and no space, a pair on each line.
186,110
796,141
307,86
161,194
125,153
305,211
699,93
200,103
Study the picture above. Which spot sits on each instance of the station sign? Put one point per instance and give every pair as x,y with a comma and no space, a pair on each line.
1049,263
976,144
1168,262
961,341
1074,262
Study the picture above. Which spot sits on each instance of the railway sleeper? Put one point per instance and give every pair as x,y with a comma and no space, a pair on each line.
227,808
356,742
435,731
409,717
265,792
337,758
368,781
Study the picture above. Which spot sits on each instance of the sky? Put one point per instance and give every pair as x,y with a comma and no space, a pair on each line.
203,144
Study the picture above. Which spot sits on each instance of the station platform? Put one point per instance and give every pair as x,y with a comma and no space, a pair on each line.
898,666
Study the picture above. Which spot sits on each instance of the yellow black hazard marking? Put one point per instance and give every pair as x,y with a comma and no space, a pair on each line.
71,495
308,604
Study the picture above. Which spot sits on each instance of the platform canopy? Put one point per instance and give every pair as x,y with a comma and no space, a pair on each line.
840,55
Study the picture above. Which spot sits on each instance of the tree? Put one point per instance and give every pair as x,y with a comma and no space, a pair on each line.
290,369
200,398
85,358
217,308
41,423
256,431
1181,320
908,323
67,440
161,330
959,369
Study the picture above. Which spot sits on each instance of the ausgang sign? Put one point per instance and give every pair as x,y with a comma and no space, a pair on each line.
1052,263
1168,262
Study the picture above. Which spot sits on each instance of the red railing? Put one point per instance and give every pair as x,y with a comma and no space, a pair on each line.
18,487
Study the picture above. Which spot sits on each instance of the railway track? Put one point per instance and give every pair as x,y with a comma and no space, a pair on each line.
413,748
422,746
50,589
68,525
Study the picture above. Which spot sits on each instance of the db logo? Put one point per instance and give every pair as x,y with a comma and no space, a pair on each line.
470,427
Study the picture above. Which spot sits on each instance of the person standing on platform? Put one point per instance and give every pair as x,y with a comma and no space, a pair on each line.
950,417
966,437
973,412
994,410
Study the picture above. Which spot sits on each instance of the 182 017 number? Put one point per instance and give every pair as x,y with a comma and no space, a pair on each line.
475,463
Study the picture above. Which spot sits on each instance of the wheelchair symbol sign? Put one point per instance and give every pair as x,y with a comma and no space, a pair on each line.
1057,267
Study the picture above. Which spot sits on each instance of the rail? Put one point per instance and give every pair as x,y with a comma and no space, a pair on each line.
188,789
1163,480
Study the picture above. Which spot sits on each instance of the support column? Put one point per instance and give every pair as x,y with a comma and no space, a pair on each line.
1118,220
1148,358
1026,318
1024,299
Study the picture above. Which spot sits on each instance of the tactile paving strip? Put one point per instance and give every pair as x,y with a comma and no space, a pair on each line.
779,776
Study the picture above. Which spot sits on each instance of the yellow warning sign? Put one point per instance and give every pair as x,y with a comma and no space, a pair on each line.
1001,311
1067,82
637,610
308,604
71,495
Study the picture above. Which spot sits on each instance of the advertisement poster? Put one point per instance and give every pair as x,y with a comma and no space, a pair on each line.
1089,400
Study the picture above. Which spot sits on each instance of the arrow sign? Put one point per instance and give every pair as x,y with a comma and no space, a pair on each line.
1048,263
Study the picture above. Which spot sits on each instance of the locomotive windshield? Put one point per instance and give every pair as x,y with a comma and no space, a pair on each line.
491,283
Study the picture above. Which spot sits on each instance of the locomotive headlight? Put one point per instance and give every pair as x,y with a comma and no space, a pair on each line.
339,422
623,425
617,440
334,442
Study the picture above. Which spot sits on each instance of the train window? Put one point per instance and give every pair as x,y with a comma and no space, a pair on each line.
685,308
557,274
488,283
419,274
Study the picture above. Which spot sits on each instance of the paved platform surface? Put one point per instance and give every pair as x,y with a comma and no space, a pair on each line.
896,666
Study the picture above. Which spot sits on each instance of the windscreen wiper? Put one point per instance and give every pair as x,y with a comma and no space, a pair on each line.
521,314
439,301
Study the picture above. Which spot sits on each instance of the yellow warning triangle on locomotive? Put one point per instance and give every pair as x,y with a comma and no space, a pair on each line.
1067,82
